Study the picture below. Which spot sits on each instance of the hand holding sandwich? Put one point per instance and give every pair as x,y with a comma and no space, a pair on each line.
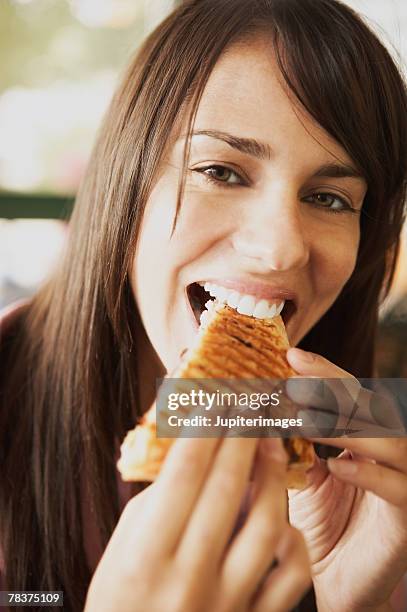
353,513
173,548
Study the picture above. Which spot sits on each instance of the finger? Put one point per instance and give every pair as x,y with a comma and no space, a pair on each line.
290,580
325,393
311,364
253,549
319,422
176,491
336,398
216,510
132,509
391,452
382,481
345,399
348,454
382,406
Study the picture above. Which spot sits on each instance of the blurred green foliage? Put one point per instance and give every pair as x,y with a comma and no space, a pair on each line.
42,41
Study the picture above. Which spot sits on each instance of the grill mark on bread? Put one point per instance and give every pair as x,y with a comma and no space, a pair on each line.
245,342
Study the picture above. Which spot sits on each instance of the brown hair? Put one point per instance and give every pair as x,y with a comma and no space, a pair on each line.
69,386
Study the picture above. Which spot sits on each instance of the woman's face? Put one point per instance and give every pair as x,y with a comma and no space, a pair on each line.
270,212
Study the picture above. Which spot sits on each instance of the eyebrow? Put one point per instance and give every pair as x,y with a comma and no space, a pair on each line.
263,151
250,146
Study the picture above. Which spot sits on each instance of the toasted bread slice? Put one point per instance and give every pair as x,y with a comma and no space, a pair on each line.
229,346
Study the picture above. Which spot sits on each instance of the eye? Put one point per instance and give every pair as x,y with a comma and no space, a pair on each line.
330,202
222,175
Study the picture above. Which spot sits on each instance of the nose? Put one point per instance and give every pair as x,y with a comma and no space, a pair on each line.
272,237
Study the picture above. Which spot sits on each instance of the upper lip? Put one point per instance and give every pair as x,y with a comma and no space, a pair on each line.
255,288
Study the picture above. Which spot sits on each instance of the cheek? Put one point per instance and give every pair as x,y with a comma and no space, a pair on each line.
151,266
154,238
335,258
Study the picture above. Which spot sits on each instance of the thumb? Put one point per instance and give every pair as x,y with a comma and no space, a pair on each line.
315,477
304,506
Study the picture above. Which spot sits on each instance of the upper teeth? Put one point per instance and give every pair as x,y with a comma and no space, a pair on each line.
244,303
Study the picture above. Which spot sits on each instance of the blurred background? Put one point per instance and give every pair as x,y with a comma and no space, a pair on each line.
61,62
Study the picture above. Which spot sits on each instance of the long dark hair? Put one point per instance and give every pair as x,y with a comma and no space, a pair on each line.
68,375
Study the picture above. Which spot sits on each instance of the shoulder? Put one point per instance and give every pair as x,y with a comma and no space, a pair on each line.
9,315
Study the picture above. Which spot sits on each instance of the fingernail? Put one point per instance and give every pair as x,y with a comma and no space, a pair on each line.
300,355
342,466
274,449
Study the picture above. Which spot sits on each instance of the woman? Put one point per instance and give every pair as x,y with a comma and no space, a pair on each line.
294,178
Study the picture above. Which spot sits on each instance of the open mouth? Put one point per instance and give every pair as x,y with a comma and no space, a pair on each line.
199,294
